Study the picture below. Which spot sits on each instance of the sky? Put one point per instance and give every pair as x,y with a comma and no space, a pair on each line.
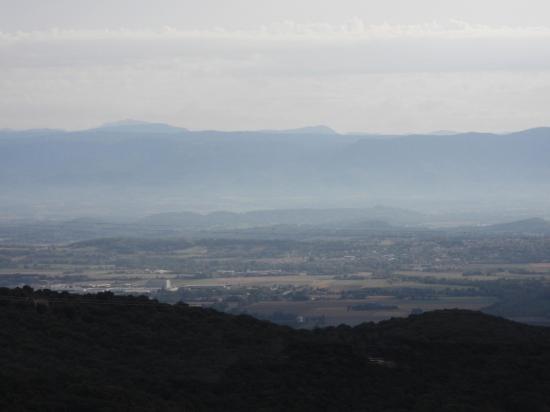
394,66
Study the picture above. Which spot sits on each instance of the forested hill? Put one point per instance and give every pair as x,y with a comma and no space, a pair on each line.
112,353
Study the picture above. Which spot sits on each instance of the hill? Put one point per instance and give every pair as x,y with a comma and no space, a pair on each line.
526,226
151,168
257,218
283,222
105,352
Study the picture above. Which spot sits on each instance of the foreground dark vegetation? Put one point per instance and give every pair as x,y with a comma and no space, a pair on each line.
106,352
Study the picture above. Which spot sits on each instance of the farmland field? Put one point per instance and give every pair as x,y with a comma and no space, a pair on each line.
302,283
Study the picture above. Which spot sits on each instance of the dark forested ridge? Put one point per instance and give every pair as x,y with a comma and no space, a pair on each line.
106,352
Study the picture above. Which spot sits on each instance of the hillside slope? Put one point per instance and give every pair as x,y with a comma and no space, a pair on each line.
103,352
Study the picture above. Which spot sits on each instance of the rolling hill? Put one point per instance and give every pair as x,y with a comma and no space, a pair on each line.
529,226
105,352
152,168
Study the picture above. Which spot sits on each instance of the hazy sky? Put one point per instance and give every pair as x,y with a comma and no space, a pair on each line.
356,65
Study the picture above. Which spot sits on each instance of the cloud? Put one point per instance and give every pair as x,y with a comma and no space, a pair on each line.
387,78
355,29
290,48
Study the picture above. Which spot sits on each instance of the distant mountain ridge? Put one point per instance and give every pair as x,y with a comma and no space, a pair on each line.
285,217
533,226
272,224
145,126
157,168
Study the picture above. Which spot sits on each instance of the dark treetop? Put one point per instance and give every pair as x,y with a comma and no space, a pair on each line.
63,352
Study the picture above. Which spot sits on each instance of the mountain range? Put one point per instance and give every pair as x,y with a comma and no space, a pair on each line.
144,168
272,224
